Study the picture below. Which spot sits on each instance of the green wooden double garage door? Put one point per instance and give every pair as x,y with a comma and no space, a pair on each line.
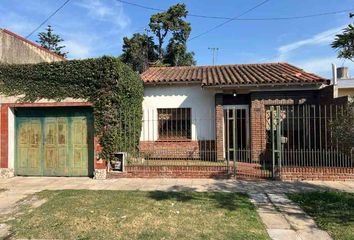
54,141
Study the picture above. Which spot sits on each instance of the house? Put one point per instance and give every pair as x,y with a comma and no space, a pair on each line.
198,121
343,84
219,106
244,118
35,137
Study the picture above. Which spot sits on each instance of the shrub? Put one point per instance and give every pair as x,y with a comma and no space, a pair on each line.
115,90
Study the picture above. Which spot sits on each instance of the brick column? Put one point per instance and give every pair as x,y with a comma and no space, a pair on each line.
4,136
219,113
258,134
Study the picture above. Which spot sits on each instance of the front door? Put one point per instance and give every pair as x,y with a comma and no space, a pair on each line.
236,129
54,142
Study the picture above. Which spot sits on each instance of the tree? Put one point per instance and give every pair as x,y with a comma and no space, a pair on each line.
177,55
343,127
171,21
344,43
51,41
138,51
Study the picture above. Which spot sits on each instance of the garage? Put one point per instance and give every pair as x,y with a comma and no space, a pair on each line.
54,141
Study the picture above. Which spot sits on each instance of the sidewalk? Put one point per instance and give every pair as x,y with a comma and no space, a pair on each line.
282,218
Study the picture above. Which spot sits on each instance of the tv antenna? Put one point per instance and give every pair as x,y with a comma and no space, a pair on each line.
214,51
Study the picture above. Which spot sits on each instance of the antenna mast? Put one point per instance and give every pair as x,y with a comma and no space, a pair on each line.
214,50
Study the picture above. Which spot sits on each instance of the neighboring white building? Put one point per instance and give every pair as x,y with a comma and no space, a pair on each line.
343,83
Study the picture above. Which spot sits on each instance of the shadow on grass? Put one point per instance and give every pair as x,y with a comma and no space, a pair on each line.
327,207
224,200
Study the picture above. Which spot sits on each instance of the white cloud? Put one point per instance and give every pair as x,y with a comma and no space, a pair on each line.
77,49
319,39
319,65
113,12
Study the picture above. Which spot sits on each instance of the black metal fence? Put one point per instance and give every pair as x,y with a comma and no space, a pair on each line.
306,135
309,135
176,136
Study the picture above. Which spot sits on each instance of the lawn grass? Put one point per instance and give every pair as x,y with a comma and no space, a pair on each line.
85,214
332,211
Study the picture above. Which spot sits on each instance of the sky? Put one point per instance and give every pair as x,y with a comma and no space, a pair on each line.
92,28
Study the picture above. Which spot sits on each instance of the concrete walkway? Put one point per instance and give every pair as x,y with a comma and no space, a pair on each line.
285,220
281,217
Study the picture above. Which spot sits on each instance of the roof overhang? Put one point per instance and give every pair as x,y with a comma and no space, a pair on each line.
172,83
303,85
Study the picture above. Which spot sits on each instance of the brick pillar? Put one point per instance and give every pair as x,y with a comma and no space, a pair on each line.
4,136
258,131
219,113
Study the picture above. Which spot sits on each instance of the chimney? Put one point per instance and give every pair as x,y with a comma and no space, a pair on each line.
343,73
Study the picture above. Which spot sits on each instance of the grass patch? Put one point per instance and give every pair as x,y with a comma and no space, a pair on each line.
332,211
85,214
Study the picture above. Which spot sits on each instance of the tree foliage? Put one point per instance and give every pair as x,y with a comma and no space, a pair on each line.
177,55
114,89
170,24
138,51
344,43
51,41
343,127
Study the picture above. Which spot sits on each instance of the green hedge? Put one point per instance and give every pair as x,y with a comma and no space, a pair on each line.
115,90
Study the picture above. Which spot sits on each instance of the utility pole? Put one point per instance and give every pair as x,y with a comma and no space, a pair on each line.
214,50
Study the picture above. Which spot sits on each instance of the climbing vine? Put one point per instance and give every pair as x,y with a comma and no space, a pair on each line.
115,90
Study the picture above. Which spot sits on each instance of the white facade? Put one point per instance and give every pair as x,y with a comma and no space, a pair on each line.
201,101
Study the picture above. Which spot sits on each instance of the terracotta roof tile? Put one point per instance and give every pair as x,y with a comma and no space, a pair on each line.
238,74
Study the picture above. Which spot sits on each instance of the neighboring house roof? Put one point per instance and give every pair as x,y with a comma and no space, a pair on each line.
237,74
8,48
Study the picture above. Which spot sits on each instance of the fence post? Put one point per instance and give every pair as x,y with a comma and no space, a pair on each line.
279,142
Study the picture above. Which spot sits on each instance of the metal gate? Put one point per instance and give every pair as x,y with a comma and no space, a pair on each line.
238,152
276,139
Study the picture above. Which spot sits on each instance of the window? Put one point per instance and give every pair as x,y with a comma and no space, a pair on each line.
174,123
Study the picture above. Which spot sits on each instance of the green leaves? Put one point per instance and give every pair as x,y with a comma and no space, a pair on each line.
50,41
344,43
113,88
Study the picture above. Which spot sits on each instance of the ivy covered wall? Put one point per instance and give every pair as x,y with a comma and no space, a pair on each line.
115,90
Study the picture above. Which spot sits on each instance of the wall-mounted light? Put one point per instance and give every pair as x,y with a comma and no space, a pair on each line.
234,94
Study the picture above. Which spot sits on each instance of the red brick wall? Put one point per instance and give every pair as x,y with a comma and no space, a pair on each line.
317,173
204,149
219,134
4,136
173,172
259,101
99,163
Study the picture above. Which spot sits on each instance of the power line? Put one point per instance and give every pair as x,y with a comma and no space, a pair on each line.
47,19
243,19
227,21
